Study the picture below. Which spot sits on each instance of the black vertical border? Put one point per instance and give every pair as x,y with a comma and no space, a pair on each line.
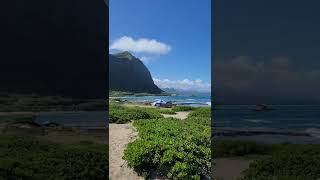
106,55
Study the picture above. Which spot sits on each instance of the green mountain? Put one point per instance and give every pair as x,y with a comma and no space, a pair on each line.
127,73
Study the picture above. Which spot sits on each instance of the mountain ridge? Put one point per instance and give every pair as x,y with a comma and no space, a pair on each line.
128,73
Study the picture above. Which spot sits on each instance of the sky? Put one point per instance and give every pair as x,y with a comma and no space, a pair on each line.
171,37
267,51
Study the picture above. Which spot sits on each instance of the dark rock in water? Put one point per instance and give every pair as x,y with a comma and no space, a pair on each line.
262,107
127,73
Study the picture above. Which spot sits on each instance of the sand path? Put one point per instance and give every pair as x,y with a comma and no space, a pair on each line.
119,136
179,115
230,168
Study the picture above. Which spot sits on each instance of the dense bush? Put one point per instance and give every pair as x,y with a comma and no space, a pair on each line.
175,149
289,162
28,158
122,114
201,112
183,108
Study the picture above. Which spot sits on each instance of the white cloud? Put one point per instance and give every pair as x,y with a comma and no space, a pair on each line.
142,45
146,59
184,85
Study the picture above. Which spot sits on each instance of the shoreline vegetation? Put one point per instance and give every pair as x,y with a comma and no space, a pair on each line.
166,147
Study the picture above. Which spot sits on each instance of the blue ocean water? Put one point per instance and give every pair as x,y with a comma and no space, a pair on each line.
198,100
75,119
285,123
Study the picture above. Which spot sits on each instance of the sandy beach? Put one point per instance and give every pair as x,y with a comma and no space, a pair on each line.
119,136
230,168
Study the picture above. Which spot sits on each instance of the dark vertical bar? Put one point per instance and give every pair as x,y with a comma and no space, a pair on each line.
53,89
266,89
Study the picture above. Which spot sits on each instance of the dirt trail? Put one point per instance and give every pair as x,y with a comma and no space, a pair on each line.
119,136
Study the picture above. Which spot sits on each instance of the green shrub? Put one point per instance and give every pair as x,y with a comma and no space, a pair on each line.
121,114
289,162
28,158
183,108
201,112
175,149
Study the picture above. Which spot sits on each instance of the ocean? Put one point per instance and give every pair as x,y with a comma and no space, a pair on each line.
99,119
285,123
187,100
74,119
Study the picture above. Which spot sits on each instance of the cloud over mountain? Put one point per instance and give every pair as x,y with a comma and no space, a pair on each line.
141,45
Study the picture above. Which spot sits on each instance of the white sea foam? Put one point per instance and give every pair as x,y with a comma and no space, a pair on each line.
257,120
315,132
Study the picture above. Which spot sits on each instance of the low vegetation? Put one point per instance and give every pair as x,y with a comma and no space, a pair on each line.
172,148
121,114
273,161
24,157
292,162
169,147
183,108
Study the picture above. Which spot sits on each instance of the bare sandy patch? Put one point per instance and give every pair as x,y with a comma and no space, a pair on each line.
119,136
179,115
230,168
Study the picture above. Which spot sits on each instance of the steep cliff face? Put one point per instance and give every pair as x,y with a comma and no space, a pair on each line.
128,73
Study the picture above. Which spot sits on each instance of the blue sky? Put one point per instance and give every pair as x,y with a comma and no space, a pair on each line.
172,37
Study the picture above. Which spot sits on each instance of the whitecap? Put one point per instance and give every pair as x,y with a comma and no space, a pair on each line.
257,120
315,132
